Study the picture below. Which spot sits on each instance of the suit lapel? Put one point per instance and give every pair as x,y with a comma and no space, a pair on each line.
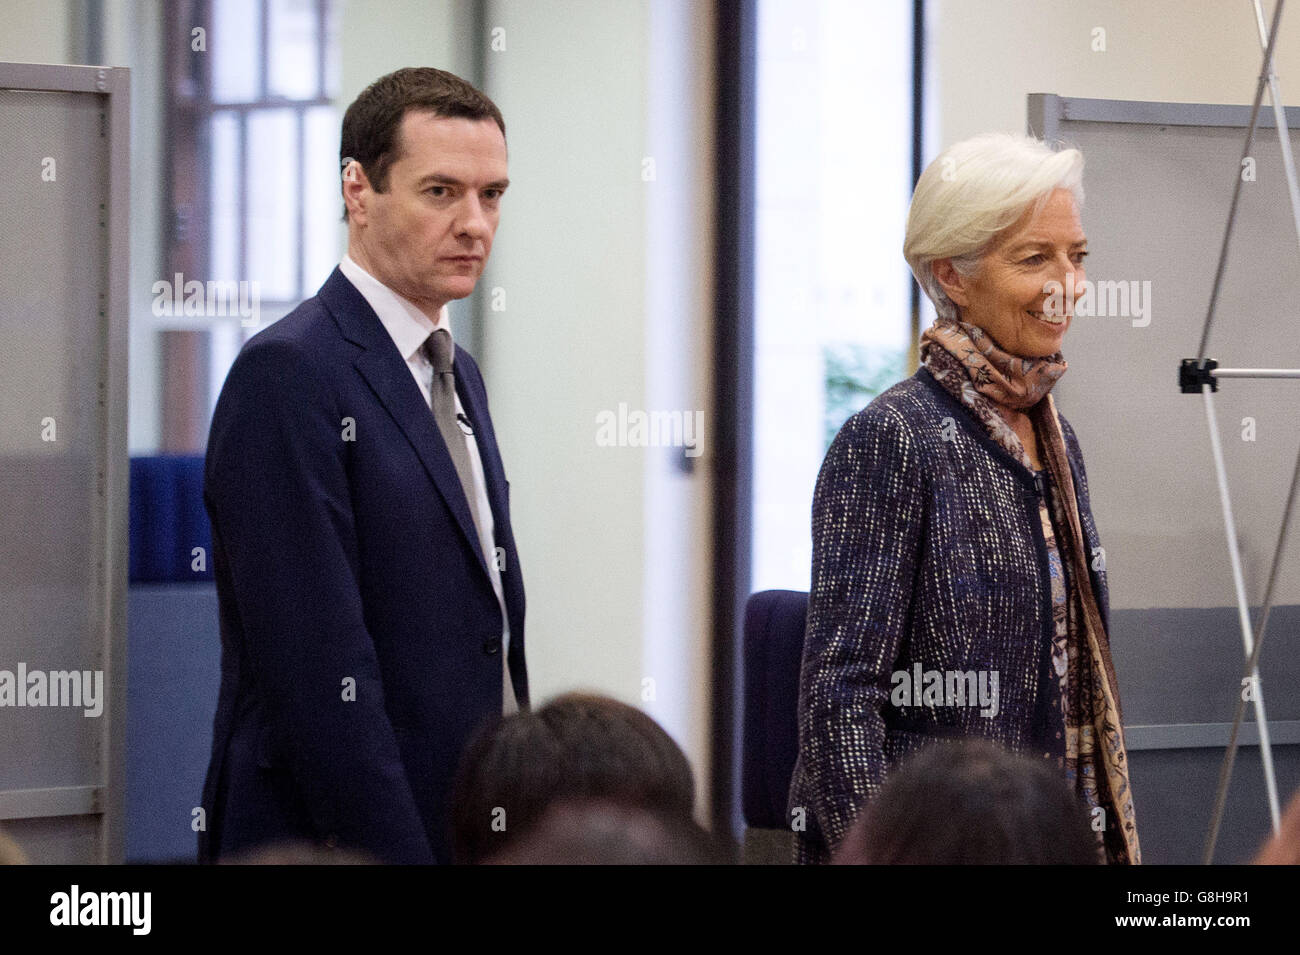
388,376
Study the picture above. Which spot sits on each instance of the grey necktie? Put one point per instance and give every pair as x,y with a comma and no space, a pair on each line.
439,350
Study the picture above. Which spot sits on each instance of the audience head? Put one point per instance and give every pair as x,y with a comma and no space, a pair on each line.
578,832
1284,848
299,853
967,803
576,747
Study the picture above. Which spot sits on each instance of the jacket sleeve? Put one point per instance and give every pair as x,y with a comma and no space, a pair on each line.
279,499
868,518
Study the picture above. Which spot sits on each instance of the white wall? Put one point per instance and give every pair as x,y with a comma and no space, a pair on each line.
379,36
570,261
36,32
606,283
678,327
991,54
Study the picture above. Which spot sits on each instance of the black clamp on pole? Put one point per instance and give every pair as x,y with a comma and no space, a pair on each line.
1191,376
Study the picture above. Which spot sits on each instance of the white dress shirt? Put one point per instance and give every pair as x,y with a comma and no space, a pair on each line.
409,327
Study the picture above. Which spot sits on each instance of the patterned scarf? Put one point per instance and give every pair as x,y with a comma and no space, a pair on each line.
970,365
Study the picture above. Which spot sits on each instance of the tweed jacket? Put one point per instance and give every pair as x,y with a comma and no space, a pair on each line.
928,555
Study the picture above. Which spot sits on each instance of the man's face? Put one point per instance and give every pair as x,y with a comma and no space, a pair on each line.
427,237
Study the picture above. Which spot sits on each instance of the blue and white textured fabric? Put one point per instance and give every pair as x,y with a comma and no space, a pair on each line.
928,555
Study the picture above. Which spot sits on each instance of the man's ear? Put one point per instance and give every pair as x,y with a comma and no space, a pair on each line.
954,285
356,191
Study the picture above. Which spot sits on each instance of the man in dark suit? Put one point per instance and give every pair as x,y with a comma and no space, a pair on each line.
372,611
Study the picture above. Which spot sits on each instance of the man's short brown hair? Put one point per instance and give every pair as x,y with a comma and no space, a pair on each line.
372,124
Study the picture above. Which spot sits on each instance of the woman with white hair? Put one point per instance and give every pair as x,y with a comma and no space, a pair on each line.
958,582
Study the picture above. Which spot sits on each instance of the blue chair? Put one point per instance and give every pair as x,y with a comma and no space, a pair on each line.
173,657
773,652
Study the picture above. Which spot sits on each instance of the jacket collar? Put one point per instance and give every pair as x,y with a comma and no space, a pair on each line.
976,430
388,376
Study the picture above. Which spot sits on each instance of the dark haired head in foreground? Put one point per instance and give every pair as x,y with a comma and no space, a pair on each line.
606,833
11,853
971,803
577,747
299,853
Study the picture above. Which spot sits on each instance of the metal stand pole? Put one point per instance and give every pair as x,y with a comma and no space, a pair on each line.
1203,374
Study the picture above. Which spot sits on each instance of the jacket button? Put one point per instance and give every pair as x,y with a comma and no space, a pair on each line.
332,841
492,645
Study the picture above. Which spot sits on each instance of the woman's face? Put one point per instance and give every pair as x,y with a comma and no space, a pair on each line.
1008,293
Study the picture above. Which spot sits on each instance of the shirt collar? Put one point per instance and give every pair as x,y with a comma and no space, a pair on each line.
403,320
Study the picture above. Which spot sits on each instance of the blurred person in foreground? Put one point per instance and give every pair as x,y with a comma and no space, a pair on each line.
970,803
577,747
298,853
592,832
1283,848
958,585
11,853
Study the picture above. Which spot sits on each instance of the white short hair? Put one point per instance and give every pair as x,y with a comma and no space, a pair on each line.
974,190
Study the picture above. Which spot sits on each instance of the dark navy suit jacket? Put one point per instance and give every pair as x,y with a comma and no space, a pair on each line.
361,637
